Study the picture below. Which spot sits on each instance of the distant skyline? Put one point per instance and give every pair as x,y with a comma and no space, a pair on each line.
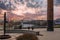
29,9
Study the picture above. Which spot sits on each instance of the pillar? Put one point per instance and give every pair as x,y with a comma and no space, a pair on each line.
50,15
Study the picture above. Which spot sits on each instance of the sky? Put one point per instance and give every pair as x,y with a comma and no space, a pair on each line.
30,9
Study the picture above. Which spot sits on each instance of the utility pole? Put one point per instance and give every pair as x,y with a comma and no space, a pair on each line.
50,15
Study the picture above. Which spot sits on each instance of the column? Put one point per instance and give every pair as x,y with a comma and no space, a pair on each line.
50,15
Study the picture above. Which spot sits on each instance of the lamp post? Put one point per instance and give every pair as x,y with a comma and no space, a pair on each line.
4,36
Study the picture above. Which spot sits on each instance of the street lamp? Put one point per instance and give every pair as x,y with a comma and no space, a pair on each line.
4,36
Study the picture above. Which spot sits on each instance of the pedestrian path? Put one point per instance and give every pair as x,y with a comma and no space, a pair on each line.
46,35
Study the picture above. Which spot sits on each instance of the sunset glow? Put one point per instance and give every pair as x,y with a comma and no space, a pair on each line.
34,10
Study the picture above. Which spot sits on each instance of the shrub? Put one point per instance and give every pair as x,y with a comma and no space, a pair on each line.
27,36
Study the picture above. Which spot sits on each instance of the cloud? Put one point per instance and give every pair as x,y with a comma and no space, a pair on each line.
56,12
2,6
57,2
27,7
21,7
36,5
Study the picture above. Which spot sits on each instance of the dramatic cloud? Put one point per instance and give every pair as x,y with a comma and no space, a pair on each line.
57,2
30,9
2,6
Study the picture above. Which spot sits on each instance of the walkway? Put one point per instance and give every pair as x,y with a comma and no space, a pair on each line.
46,35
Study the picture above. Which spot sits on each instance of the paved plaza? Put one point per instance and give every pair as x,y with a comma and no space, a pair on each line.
46,35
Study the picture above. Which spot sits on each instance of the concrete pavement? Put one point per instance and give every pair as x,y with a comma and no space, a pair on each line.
46,35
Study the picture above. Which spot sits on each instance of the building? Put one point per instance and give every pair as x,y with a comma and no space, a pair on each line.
57,21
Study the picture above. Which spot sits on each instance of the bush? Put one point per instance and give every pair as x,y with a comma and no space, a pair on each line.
27,36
